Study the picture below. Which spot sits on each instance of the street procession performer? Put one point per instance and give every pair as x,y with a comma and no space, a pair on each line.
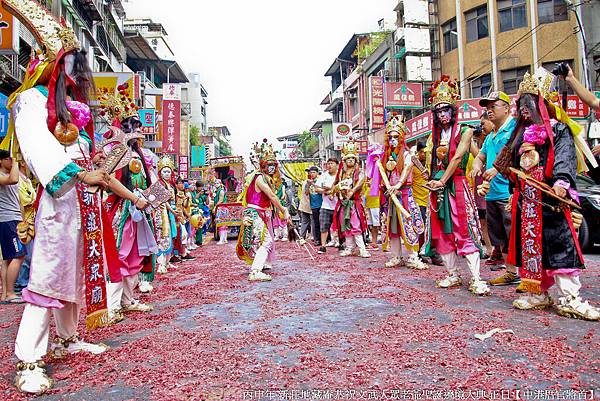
133,228
349,215
165,217
542,160
452,221
396,163
255,244
51,127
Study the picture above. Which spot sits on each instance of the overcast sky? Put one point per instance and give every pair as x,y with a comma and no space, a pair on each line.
262,62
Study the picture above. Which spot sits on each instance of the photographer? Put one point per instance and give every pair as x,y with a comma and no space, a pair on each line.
564,71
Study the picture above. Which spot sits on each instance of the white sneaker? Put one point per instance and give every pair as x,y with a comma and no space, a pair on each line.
394,262
62,347
363,253
573,307
145,287
284,239
267,267
448,282
415,263
138,306
31,378
346,252
259,276
532,301
331,243
162,269
479,287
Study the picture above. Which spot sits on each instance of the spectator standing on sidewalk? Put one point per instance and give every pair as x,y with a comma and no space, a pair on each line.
13,251
304,208
316,200
498,218
27,195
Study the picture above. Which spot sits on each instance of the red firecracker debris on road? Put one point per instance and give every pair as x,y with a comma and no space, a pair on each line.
337,328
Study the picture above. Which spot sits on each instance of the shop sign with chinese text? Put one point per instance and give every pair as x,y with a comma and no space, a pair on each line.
404,95
377,103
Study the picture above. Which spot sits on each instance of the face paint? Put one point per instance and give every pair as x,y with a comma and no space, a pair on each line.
394,142
271,169
350,162
444,115
165,174
69,63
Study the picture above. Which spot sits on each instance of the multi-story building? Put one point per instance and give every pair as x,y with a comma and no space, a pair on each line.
218,137
493,43
98,25
150,56
196,95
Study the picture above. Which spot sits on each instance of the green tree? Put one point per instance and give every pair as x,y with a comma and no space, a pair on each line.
225,148
194,135
308,144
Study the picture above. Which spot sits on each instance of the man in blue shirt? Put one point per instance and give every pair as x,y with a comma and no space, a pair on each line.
498,218
316,200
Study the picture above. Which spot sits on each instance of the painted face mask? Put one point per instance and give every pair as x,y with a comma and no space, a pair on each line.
350,162
394,141
444,115
271,169
165,174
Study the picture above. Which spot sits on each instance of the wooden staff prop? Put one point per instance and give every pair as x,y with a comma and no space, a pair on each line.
544,188
393,196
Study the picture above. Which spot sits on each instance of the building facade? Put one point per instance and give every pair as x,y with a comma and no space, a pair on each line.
492,43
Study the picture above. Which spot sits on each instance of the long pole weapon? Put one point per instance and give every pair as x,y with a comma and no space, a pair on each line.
300,241
393,196
543,187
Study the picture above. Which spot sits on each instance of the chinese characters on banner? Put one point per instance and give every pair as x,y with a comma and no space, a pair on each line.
469,111
183,167
171,125
171,118
576,108
419,125
377,103
404,95
148,119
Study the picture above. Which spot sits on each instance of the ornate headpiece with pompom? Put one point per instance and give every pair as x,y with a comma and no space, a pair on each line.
117,107
166,161
444,90
350,149
52,34
263,151
539,84
396,124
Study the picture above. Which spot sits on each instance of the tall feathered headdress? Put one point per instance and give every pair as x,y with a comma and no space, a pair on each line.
444,90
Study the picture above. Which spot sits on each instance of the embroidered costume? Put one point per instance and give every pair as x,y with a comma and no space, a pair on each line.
396,163
452,221
68,260
349,215
255,244
543,240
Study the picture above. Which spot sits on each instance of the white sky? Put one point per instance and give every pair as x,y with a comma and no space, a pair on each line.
262,62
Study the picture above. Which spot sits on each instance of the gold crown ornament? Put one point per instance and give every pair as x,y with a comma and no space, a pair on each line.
529,85
117,107
350,149
49,32
165,161
444,91
396,125
263,151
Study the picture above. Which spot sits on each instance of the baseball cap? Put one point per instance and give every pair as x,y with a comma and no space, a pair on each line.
494,96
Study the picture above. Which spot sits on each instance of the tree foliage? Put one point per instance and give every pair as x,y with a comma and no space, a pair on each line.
225,148
367,47
194,135
308,144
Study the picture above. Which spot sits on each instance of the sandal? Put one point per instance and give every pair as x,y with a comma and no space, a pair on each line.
15,300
